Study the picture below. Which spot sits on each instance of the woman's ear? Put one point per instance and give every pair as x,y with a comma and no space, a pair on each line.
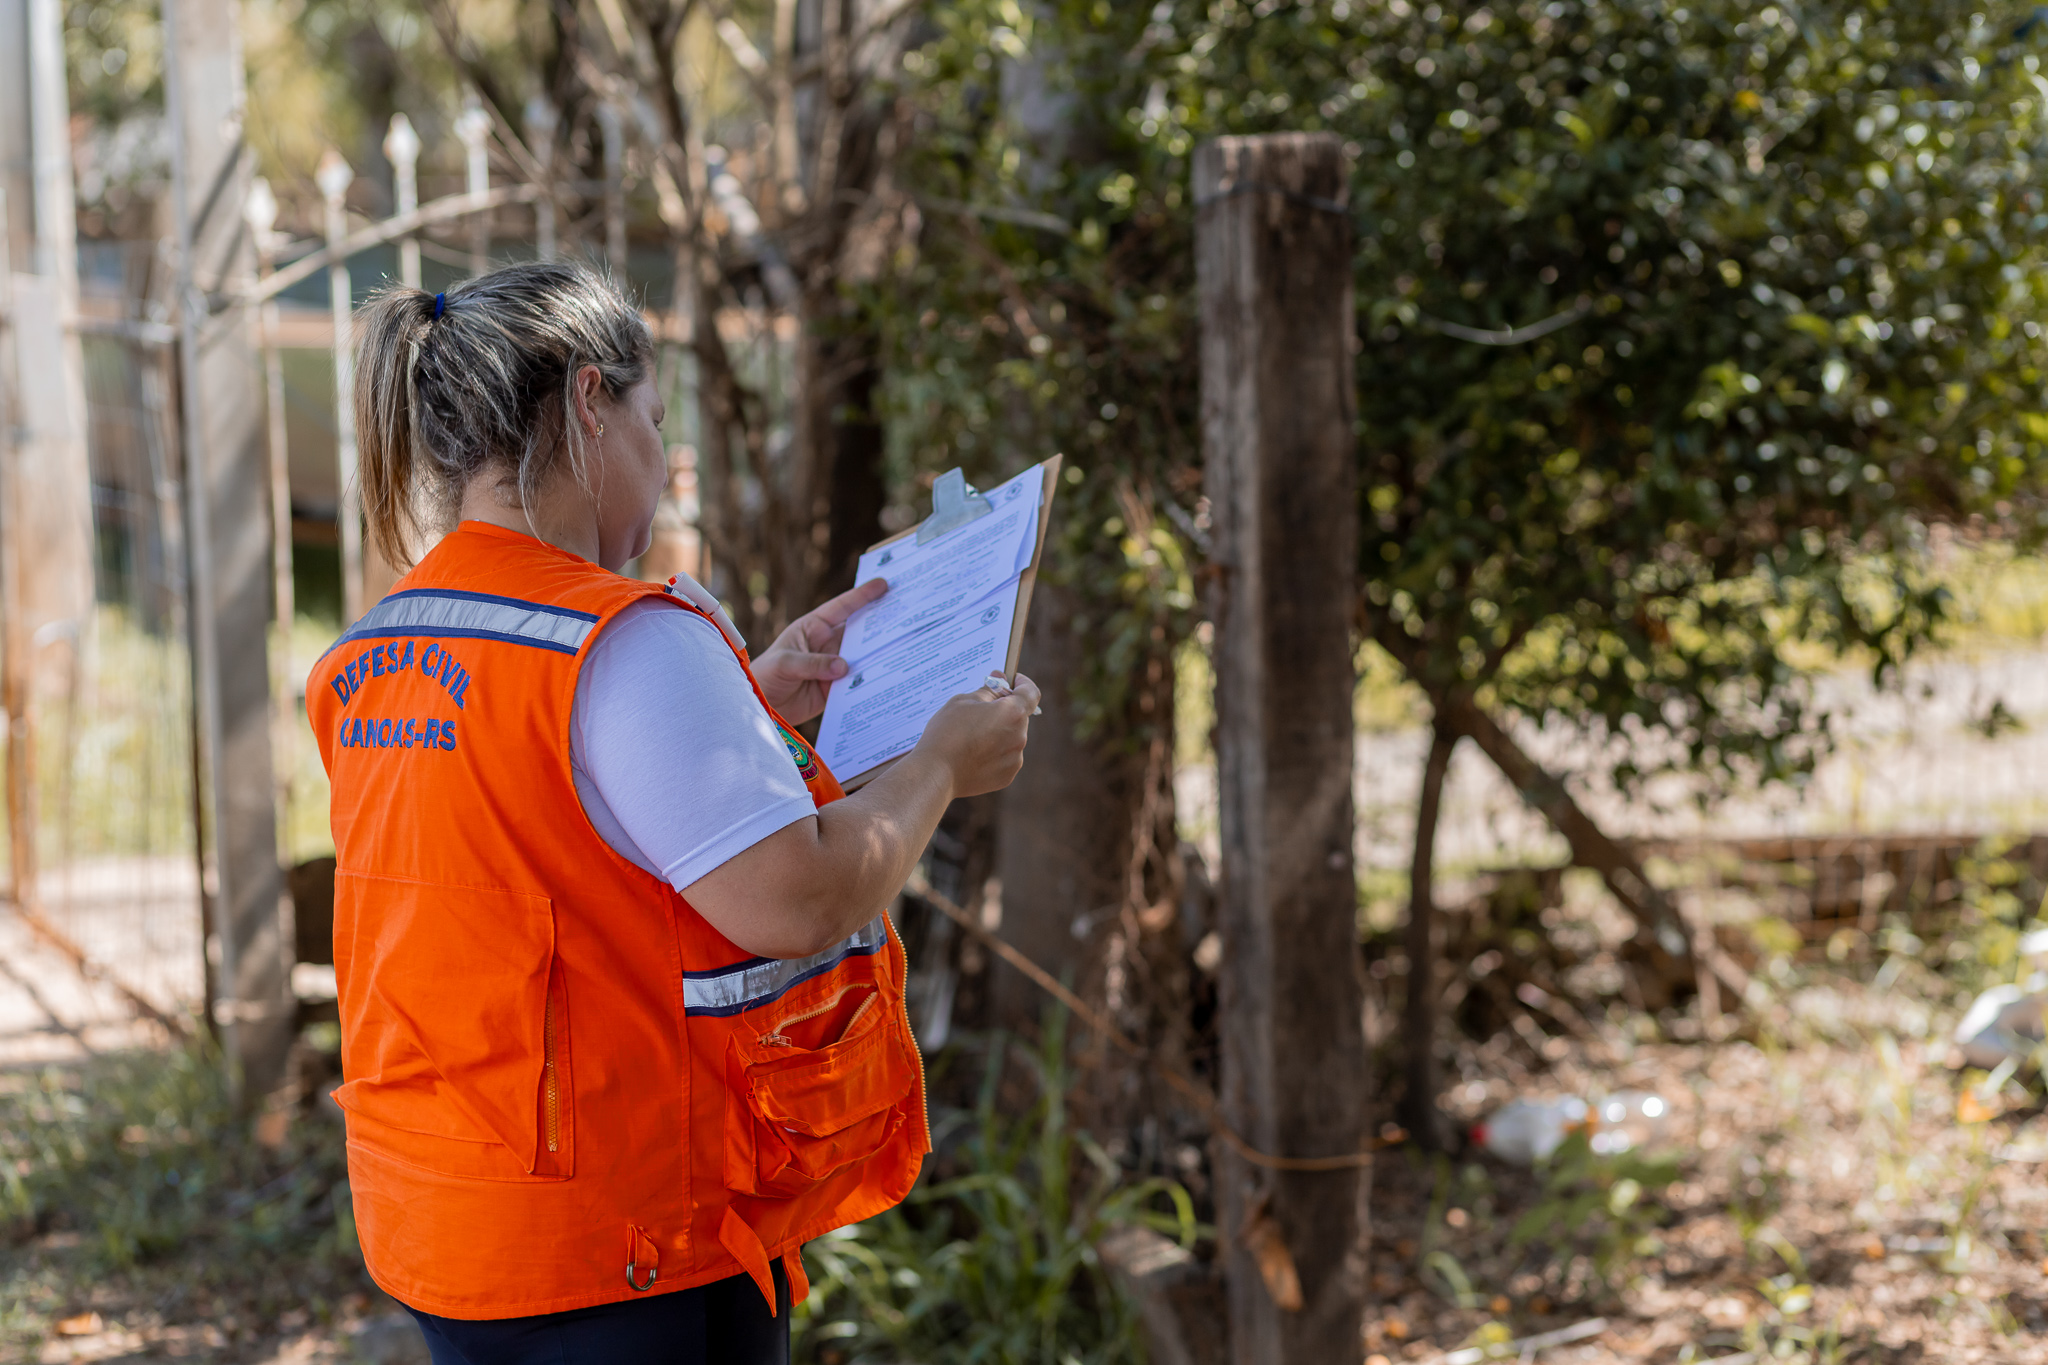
589,395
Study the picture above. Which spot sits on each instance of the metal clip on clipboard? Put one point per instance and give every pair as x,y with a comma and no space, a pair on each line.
954,504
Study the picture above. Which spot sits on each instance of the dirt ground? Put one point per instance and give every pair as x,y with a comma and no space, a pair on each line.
1827,1189
1827,1204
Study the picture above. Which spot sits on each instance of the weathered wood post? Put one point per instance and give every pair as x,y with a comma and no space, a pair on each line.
402,145
612,124
1273,265
261,212
473,127
334,177
542,123
228,534
49,608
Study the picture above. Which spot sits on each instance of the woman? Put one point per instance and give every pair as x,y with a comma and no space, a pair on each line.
622,1015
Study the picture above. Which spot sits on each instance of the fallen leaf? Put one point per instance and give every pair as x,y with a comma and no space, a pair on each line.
1263,1237
1970,1108
81,1325
1395,1328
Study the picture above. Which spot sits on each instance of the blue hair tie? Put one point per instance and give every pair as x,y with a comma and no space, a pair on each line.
440,302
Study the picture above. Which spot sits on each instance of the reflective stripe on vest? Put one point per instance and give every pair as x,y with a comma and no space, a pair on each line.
476,616
748,985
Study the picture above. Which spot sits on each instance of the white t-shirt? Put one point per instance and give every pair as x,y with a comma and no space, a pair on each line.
676,762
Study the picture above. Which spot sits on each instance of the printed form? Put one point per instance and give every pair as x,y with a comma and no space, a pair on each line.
943,626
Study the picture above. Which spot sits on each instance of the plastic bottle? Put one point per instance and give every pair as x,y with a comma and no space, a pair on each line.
2005,1022
1525,1132
1528,1131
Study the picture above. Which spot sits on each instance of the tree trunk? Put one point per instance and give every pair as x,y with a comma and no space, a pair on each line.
837,488
1273,265
857,489
1065,823
1661,942
1419,1113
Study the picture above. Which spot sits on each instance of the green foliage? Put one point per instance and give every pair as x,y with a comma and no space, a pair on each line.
114,52
993,1256
1787,268
145,1156
1597,1205
1799,257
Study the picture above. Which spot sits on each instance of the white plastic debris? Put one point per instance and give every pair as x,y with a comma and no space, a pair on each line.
2006,1023
1525,1132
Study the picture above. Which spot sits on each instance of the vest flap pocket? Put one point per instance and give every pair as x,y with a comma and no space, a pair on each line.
822,1092
807,1099
449,1025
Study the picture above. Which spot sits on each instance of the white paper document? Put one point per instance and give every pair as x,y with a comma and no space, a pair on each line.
878,710
943,626
929,583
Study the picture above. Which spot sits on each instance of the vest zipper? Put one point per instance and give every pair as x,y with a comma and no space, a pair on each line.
777,1038
923,1109
550,1096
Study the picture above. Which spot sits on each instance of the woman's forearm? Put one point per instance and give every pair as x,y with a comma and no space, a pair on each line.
800,891
810,885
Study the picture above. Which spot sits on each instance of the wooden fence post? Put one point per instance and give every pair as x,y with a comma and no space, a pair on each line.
228,535
334,177
1273,265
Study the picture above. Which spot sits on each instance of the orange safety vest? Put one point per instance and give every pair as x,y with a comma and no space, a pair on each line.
564,1087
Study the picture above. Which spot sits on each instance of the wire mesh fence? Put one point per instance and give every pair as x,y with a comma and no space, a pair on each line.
117,876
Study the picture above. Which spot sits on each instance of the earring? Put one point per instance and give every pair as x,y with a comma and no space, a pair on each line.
600,428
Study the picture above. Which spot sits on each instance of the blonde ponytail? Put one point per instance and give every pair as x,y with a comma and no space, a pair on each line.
389,330
480,382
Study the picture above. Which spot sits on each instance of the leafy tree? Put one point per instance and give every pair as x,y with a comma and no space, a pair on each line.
1677,326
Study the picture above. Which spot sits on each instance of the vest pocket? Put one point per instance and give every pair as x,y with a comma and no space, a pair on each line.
813,1087
455,1027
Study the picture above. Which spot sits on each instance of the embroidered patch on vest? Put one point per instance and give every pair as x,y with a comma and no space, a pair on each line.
799,753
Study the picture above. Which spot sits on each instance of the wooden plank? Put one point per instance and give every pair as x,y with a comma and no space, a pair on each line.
1273,266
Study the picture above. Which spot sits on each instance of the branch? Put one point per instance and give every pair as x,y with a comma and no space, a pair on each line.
1661,932
434,211
1658,922
998,213
448,27
1510,336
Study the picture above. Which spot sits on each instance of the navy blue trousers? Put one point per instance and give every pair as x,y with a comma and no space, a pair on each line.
723,1323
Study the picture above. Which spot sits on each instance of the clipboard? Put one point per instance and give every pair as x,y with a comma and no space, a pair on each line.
1026,581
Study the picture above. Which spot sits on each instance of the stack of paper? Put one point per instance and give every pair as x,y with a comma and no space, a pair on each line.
942,627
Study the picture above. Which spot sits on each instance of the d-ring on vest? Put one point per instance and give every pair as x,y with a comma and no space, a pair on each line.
564,1087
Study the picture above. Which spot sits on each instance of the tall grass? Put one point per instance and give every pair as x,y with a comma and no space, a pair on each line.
114,759
992,1259
146,1156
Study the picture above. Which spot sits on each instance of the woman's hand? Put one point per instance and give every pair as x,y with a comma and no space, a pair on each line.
797,670
810,884
980,736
